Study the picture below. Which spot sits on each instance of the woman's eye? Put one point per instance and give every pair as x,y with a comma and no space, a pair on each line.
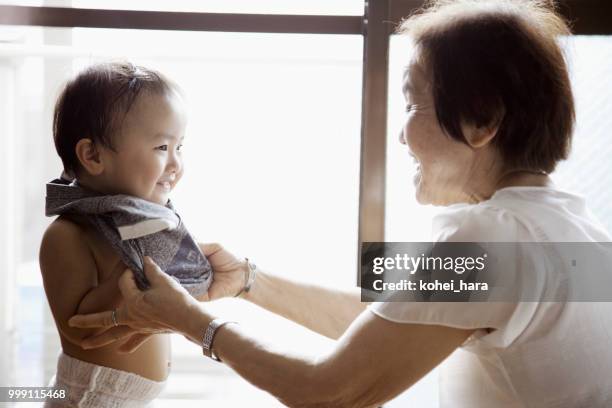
163,148
409,108
179,147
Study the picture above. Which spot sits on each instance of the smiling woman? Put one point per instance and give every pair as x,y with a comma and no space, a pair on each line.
516,109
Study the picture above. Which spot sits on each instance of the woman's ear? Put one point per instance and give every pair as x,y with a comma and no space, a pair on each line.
480,136
89,157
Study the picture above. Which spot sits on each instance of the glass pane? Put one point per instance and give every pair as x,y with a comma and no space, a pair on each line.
272,168
405,219
589,168
311,7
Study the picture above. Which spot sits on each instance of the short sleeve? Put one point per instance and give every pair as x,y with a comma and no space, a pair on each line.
501,323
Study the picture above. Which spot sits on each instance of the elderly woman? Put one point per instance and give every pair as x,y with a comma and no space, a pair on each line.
489,114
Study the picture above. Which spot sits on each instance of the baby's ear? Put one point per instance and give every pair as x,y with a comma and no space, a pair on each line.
89,157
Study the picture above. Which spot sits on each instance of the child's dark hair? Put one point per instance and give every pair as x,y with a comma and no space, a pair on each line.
94,104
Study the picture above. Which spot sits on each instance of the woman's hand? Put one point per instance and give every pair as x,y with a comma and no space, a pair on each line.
229,272
166,306
162,307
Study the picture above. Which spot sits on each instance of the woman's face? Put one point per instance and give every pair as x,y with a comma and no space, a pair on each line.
445,167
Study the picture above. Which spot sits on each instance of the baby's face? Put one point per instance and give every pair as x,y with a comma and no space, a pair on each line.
147,162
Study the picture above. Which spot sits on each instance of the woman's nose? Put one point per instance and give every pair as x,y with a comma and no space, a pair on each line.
402,140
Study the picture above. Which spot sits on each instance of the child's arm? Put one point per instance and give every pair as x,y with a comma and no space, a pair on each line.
70,277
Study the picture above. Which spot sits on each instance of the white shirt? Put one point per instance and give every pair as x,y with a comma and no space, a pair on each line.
539,354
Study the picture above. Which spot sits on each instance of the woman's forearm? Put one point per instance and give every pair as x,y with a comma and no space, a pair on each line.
296,379
286,377
396,356
326,311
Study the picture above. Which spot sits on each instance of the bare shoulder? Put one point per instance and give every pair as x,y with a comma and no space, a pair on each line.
62,227
63,238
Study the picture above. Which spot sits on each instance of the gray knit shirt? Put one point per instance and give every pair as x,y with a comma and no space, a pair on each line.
135,227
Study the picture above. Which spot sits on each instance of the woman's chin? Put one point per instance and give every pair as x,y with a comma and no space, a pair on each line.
420,195
416,179
428,197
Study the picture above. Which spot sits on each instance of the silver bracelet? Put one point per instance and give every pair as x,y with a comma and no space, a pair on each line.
209,337
249,277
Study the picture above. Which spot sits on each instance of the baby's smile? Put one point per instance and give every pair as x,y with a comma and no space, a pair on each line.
167,183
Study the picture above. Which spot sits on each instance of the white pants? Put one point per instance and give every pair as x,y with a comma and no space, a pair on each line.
89,385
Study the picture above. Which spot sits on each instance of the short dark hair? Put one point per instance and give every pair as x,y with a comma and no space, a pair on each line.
94,103
498,61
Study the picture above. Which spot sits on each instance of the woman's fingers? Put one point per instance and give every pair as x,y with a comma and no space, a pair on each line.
109,336
94,320
154,273
127,284
203,297
210,249
134,342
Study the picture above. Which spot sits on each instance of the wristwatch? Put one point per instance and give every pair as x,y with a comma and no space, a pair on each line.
209,336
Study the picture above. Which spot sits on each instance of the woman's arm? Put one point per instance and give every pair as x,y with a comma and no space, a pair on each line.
326,311
372,362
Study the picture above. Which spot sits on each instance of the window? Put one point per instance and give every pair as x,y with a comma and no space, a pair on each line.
269,117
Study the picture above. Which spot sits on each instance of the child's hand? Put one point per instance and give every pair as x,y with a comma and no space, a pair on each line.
229,272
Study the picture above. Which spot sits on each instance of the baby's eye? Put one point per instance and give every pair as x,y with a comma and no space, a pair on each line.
409,108
162,147
179,147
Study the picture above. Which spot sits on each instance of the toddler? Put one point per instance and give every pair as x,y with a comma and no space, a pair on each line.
118,130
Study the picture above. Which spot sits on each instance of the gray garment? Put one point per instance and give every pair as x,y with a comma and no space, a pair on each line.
135,227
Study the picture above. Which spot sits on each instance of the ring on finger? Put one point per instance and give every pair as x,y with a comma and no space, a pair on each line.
114,318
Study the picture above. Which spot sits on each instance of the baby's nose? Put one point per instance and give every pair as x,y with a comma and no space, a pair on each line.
174,164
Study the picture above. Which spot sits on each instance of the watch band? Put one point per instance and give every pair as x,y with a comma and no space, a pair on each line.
209,336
